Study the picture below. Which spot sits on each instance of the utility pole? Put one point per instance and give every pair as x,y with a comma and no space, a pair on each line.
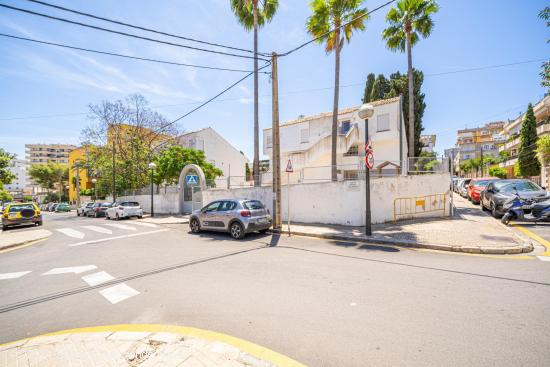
114,172
275,143
481,160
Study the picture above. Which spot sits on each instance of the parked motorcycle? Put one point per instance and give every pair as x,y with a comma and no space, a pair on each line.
526,210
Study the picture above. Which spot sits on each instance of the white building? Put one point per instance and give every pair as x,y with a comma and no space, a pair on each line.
217,150
306,142
428,143
19,168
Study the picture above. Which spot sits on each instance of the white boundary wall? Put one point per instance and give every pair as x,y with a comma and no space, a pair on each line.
340,202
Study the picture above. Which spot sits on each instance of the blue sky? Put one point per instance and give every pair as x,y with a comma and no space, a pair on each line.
39,80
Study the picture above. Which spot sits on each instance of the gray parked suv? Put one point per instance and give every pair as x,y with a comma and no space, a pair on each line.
237,217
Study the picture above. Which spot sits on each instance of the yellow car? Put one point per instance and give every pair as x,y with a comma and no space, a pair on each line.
15,214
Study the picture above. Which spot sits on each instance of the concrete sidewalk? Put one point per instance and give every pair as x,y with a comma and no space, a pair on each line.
470,231
143,345
12,239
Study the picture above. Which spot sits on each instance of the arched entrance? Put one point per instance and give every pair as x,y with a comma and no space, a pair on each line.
190,186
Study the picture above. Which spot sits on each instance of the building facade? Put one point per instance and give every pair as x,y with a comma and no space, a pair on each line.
78,157
20,184
480,141
306,142
428,143
218,151
511,132
44,153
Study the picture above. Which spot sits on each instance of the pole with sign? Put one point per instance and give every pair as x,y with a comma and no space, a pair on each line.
288,170
365,112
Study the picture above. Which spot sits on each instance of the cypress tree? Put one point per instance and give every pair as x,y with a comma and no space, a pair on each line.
528,161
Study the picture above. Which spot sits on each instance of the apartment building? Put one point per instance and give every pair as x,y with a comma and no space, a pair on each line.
428,143
511,132
475,142
217,150
306,142
44,153
20,184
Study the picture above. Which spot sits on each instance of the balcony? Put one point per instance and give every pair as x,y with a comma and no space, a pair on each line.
509,145
545,128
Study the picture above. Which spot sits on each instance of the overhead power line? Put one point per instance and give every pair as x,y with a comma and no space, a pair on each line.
335,28
127,34
126,56
287,93
139,27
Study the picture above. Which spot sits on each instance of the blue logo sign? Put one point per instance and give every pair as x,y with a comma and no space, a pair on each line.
192,180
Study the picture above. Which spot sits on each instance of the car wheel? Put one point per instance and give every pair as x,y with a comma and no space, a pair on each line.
5,228
77,214
117,217
195,226
107,216
236,230
483,207
96,215
506,219
39,223
494,211
140,217
263,230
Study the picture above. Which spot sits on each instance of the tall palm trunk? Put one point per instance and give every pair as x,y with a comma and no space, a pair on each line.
256,164
411,96
333,161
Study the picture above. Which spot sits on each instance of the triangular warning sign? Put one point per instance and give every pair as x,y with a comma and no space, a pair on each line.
289,167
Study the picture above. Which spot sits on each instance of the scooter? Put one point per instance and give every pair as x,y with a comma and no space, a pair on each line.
516,208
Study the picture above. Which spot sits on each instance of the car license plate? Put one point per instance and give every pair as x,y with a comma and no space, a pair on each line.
526,207
262,220
13,215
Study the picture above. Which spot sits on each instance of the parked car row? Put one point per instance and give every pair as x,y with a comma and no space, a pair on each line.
499,196
116,210
56,207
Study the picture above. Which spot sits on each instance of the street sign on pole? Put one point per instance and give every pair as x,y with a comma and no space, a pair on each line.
289,168
369,160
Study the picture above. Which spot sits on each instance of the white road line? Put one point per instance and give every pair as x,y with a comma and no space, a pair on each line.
117,237
121,226
73,269
144,224
97,278
98,229
118,293
71,232
14,275
544,258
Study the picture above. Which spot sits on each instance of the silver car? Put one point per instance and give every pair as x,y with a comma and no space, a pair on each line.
83,209
237,217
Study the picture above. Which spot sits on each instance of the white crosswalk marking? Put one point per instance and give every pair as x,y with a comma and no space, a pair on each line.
144,224
14,275
98,229
73,269
544,258
97,278
118,293
120,226
71,232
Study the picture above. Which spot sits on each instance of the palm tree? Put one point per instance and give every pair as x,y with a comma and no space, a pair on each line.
253,14
409,21
345,17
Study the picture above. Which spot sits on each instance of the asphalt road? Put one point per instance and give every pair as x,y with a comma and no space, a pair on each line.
321,302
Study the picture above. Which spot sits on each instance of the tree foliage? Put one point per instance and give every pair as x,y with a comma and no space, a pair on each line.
123,138
174,158
397,85
50,175
244,11
6,176
545,72
497,172
543,148
5,196
528,162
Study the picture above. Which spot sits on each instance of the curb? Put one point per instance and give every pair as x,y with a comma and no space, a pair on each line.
255,350
23,242
508,250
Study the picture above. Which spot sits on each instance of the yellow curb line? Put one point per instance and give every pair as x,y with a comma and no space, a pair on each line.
246,346
535,237
23,245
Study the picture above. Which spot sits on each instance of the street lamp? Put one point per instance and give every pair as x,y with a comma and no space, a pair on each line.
365,112
93,187
152,167
68,187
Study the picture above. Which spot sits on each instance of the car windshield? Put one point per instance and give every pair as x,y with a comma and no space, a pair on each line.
18,208
130,203
521,186
106,205
482,183
253,205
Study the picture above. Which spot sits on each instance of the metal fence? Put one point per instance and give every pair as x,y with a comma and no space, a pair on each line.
427,165
411,207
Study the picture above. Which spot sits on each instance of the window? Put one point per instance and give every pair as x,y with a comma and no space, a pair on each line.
383,122
211,207
253,205
304,135
227,205
345,126
268,141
